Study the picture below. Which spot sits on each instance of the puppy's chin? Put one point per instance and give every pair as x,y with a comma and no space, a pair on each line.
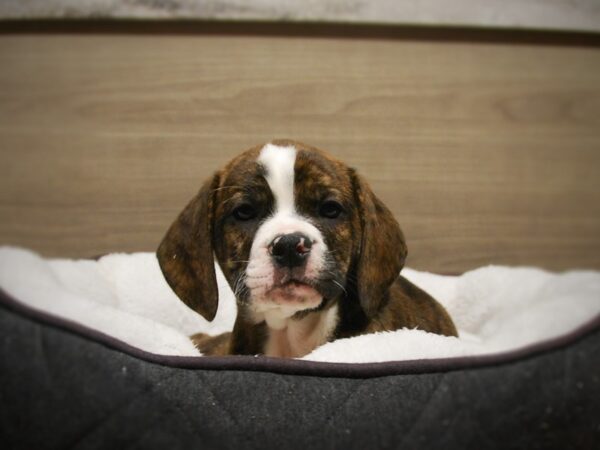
277,303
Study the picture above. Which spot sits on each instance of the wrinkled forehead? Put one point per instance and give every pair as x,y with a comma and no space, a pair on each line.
276,165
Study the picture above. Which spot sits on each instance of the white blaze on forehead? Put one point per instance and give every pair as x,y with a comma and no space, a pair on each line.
279,167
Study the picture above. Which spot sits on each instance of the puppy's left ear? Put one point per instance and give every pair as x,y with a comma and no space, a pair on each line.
382,249
185,254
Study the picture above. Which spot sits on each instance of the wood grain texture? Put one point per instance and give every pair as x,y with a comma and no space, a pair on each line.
486,153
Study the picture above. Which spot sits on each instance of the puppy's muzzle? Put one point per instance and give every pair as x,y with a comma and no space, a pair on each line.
290,250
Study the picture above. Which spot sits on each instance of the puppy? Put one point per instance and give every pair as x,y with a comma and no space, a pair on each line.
310,252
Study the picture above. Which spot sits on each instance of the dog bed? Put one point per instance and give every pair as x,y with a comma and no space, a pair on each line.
95,354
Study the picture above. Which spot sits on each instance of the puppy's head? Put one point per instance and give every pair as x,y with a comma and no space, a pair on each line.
293,230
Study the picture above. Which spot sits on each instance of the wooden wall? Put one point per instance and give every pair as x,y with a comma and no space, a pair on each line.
487,151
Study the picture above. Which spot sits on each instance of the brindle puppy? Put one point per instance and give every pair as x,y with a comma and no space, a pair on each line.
310,252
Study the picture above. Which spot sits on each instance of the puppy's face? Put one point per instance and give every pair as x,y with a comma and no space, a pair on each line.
287,218
293,231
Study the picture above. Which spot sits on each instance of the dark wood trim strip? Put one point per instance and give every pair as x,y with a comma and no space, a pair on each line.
300,29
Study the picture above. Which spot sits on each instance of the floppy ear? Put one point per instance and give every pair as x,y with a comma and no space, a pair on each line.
185,254
382,249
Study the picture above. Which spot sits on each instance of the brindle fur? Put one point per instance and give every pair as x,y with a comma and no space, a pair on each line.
369,252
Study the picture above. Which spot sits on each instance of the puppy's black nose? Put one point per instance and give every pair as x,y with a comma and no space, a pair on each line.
290,250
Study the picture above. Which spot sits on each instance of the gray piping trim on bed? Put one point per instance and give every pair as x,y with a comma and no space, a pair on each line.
307,368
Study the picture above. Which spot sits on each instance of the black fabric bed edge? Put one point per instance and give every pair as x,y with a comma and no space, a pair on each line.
301,367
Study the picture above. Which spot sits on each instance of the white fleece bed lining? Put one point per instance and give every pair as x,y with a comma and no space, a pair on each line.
496,309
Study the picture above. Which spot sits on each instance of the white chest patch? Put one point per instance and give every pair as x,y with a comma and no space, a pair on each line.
279,165
300,337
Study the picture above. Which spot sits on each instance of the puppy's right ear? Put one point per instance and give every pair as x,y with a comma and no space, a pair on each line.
185,254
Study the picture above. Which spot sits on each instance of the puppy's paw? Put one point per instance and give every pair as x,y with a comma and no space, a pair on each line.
212,345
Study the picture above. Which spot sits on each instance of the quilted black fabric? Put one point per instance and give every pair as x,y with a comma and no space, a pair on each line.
61,390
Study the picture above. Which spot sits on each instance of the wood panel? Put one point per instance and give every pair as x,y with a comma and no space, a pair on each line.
486,152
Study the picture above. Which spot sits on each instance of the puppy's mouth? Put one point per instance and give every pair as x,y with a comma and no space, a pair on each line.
288,293
292,290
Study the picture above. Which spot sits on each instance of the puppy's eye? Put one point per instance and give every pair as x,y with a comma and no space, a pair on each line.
244,212
331,209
